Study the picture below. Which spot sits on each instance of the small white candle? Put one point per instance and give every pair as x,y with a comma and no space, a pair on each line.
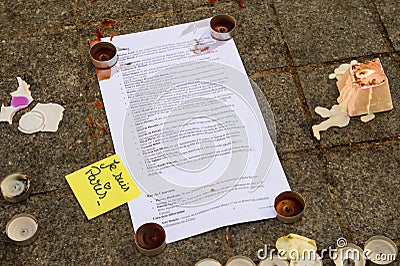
274,261
380,250
208,262
311,259
14,188
22,229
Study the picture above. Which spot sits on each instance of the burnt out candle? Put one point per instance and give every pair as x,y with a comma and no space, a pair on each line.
22,229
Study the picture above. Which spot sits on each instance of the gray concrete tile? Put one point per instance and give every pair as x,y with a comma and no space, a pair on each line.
255,36
50,63
185,252
67,237
306,176
65,234
292,130
108,9
367,184
101,139
29,16
319,31
46,156
319,90
388,11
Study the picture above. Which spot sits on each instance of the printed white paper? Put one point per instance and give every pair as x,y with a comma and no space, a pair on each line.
186,123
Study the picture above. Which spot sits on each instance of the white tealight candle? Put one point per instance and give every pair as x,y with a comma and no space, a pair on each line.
380,250
349,255
22,229
240,261
14,188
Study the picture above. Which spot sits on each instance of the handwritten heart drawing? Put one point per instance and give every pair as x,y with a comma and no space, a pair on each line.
107,185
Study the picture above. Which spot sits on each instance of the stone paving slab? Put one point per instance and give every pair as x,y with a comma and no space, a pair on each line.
180,6
67,237
99,131
59,218
293,132
367,187
122,26
389,10
323,30
255,36
50,63
306,177
29,16
47,157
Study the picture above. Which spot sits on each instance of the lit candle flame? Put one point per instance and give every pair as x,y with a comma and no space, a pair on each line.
363,73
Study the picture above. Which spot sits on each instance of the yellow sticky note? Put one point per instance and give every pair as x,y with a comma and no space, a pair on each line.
102,186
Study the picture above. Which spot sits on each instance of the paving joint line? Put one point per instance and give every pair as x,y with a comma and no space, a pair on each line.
336,63
269,71
361,145
342,219
79,24
338,148
52,191
76,13
339,210
298,154
39,31
311,66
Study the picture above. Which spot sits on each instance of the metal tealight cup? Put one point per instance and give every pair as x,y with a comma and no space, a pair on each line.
16,187
380,250
222,27
289,206
103,55
240,260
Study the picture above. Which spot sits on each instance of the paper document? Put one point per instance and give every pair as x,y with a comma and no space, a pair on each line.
186,123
